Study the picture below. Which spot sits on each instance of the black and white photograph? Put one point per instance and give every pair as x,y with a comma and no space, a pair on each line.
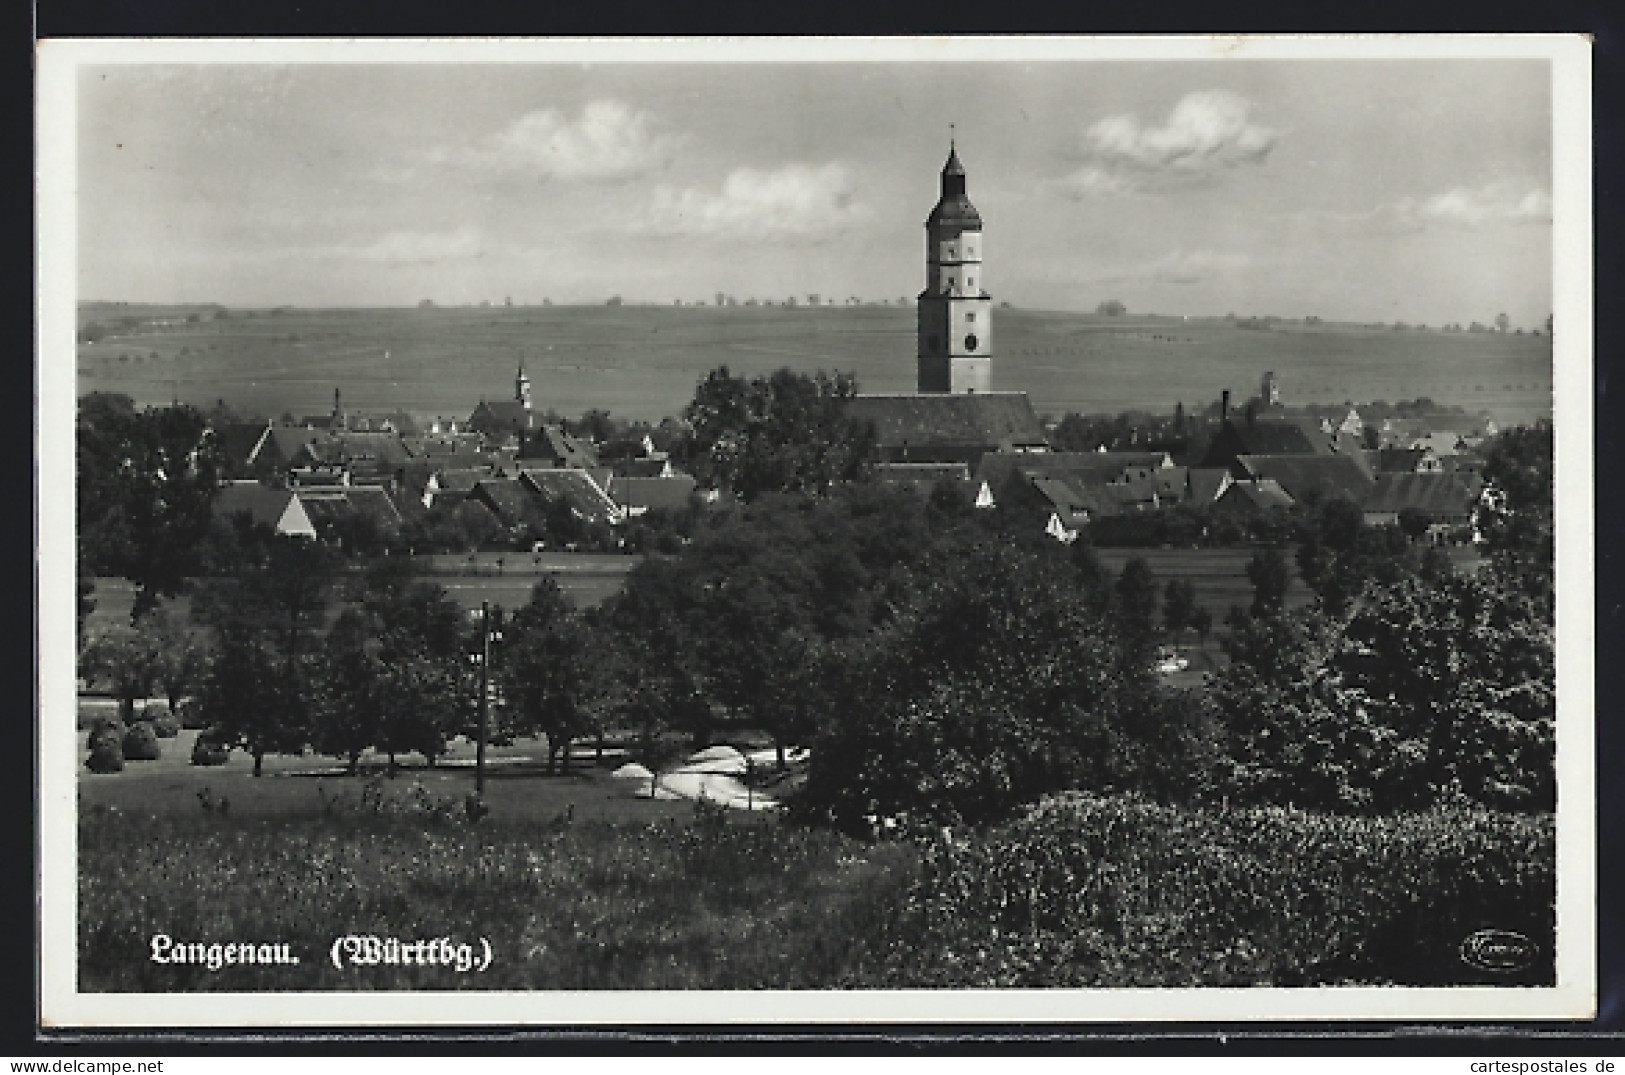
723,531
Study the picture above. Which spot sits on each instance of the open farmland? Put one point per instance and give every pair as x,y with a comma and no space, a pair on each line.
643,361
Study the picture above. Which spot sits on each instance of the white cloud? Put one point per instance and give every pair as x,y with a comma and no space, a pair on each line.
1195,266
1207,133
608,141
797,201
1500,202
407,247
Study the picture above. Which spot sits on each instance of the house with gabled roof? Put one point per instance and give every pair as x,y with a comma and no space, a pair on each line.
1252,498
1308,477
1088,468
249,449
514,503
1417,460
1266,436
1445,499
279,509
636,496
1204,485
576,488
551,446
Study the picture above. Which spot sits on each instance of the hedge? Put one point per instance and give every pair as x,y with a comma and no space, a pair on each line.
1087,891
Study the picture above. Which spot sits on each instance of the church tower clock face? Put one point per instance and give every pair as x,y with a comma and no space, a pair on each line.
955,335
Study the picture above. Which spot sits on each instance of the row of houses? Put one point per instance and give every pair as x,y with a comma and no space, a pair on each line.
994,445
505,461
517,501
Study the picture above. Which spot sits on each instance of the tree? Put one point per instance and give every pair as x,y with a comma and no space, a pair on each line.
1514,513
1270,576
248,697
554,672
1414,523
127,659
782,432
181,653
422,697
1095,577
390,673
1135,609
145,485
1178,605
1429,692
345,699
1201,621
85,596
1002,684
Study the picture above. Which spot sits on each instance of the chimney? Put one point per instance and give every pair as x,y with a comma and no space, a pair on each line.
1224,405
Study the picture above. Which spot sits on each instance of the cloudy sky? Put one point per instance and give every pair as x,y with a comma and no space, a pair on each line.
1415,190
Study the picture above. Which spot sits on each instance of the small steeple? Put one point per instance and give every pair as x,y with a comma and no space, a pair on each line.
521,386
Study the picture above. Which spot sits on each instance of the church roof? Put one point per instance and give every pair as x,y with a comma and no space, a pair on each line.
954,209
981,419
502,416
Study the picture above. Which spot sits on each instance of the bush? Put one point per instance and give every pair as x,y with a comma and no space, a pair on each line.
1094,891
105,726
92,716
209,750
191,715
106,753
141,743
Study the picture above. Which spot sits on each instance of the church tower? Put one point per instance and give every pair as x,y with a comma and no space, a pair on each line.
521,387
955,334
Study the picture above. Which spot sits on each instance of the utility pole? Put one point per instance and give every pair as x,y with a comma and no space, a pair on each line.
485,699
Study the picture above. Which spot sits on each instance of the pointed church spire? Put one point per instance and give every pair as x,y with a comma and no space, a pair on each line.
521,385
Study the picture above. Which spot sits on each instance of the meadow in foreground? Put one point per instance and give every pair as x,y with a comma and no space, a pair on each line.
1081,891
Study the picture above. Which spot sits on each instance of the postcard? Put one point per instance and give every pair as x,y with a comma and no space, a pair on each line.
757,531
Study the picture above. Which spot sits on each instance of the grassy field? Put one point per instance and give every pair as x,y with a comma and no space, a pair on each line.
1219,576
585,580
1084,891
305,786
644,361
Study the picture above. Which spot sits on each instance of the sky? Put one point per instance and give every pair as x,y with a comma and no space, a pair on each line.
1369,190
